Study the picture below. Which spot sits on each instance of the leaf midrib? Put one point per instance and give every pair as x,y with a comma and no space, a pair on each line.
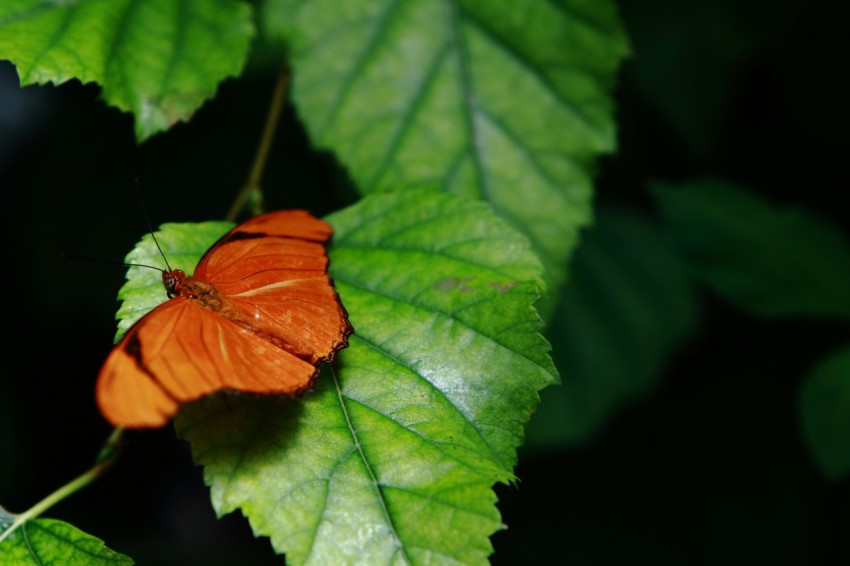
371,47
117,40
54,39
533,68
453,24
394,142
375,484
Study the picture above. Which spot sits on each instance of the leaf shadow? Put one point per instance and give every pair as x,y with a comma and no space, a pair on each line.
245,426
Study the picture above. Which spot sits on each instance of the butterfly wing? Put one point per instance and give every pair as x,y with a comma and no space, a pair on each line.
180,352
276,317
273,271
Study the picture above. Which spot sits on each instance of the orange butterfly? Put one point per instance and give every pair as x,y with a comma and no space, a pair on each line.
259,315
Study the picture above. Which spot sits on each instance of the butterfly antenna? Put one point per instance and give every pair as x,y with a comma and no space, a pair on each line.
155,241
150,228
107,261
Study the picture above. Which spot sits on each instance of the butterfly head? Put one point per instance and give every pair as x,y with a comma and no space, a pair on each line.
173,281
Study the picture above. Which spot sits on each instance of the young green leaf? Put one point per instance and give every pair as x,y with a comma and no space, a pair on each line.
48,541
629,303
394,455
507,101
158,59
765,259
825,413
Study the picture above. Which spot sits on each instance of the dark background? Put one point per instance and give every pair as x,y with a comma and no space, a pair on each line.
711,469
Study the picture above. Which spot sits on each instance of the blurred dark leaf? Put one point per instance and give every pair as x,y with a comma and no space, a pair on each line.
768,260
628,305
825,413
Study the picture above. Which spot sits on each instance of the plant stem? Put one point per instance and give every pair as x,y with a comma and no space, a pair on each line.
252,184
105,458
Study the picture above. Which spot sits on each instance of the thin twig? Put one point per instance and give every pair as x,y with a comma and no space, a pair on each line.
105,458
252,184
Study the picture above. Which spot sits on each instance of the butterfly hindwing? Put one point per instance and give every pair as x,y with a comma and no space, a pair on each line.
180,352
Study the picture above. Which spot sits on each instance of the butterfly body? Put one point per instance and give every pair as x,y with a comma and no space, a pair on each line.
177,284
258,316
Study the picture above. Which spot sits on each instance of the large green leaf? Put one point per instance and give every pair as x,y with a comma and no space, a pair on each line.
825,413
629,303
159,59
765,259
504,100
48,541
391,458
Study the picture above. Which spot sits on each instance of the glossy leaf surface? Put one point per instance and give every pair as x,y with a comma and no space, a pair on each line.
766,259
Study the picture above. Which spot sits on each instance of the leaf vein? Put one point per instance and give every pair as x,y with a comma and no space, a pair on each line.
398,361
394,142
30,548
534,70
177,47
430,496
114,45
365,460
432,310
356,68
469,99
53,41
438,445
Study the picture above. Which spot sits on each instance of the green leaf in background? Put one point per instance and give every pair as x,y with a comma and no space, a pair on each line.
392,458
506,101
158,59
825,413
765,259
47,541
629,303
